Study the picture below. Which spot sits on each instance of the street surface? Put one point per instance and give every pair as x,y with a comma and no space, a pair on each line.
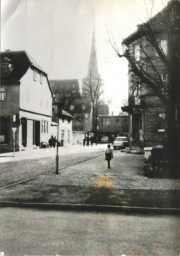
26,165
88,181
35,232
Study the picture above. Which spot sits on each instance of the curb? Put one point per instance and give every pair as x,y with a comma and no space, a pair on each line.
91,207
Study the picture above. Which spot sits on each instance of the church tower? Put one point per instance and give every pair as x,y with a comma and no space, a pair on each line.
92,74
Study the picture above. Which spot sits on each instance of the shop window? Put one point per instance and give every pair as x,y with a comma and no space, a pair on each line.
2,94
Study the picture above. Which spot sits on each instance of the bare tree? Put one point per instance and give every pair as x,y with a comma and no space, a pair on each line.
155,65
93,89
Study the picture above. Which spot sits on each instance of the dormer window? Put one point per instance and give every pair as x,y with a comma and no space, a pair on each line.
6,68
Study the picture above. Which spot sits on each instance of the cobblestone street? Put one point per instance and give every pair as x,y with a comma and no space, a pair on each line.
88,181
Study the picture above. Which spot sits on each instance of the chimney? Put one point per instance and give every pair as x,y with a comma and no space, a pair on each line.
7,50
112,113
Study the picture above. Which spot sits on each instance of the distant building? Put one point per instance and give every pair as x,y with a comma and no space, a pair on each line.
65,128
25,102
67,92
103,109
113,125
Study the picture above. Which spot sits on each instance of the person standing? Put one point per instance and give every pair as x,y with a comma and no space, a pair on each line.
108,155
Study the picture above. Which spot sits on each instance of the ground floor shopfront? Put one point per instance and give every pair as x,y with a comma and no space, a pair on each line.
146,126
30,130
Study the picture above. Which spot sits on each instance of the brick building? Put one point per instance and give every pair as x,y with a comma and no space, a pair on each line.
146,109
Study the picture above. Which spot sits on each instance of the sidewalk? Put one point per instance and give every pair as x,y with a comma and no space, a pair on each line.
48,152
90,185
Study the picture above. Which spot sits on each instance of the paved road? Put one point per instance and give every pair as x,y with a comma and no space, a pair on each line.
33,232
90,182
14,171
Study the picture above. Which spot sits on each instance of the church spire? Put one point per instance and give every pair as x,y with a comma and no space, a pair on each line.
93,67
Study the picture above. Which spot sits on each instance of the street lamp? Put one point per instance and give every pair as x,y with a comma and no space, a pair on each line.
58,113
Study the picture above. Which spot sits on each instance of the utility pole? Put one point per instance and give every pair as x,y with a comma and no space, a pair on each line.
58,113
57,148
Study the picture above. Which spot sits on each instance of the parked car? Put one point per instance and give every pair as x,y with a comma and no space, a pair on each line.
104,139
120,142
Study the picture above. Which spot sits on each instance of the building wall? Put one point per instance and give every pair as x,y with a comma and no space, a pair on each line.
113,124
34,96
36,108
152,109
65,127
8,108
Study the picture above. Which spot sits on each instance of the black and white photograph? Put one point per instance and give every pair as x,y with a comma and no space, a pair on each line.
90,128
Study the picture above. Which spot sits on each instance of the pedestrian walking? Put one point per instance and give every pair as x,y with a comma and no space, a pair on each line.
87,139
108,155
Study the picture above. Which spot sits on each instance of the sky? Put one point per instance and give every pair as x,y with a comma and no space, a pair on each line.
58,35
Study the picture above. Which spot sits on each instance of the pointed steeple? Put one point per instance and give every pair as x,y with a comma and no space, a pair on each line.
93,67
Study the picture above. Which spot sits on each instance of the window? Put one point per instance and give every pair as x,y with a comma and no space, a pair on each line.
137,52
108,122
161,122
41,78
71,107
42,126
164,77
86,115
35,74
4,68
83,107
2,94
118,121
62,135
163,45
68,136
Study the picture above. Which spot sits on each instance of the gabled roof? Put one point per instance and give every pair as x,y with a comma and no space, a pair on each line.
21,61
68,84
65,113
